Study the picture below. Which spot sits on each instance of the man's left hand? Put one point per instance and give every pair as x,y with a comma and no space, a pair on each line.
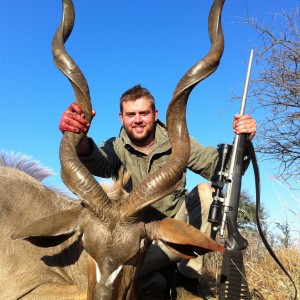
244,124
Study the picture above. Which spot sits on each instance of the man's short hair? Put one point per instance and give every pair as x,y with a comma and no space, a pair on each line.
134,93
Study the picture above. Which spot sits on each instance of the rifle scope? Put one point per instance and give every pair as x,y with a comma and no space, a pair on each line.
218,182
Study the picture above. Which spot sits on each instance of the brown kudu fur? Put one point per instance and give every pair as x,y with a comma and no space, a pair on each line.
96,244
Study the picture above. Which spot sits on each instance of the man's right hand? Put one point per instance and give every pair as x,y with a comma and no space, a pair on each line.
73,120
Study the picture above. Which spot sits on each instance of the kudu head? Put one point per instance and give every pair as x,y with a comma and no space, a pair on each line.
116,233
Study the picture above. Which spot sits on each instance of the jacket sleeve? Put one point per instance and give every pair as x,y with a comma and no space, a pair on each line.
103,161
203,160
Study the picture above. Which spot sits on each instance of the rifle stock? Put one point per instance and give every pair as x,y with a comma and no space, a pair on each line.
234,239
233,282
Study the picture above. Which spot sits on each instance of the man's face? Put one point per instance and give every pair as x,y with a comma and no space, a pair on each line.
138,120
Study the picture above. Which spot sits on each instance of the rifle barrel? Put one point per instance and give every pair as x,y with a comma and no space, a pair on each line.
242,110
236,143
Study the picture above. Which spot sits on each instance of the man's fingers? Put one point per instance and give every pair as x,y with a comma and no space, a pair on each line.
75,108
65,127
244,124
72,125
71,121
75,117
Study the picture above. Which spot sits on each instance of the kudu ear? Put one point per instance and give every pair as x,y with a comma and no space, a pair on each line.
52,230
184,240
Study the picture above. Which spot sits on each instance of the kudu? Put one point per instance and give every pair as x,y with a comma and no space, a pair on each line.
96,244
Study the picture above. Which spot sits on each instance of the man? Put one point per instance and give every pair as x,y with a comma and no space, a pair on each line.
143,147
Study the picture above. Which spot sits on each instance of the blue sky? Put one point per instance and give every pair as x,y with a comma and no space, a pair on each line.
118,44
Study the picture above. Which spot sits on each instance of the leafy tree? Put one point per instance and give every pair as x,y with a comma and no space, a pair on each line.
276,90
285,238
247,214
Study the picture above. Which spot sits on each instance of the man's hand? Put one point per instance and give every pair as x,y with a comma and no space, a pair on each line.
244,124
73,120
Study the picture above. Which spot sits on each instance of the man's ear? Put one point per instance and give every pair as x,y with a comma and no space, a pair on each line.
156,114
121,117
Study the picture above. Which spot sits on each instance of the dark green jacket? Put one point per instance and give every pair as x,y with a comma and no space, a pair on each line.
106,160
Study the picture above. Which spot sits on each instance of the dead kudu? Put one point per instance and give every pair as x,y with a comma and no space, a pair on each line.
54,247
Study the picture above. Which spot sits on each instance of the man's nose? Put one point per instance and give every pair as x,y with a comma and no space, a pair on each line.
137,118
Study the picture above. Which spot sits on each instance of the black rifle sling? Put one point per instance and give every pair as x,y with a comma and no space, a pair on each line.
252,156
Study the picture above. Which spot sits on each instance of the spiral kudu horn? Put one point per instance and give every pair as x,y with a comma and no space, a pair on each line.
76,177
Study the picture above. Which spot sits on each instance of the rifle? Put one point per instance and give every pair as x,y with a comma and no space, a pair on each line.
224,210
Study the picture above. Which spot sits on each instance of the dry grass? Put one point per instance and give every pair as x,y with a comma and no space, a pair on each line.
265,278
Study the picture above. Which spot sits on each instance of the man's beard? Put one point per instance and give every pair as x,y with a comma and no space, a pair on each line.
140,139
